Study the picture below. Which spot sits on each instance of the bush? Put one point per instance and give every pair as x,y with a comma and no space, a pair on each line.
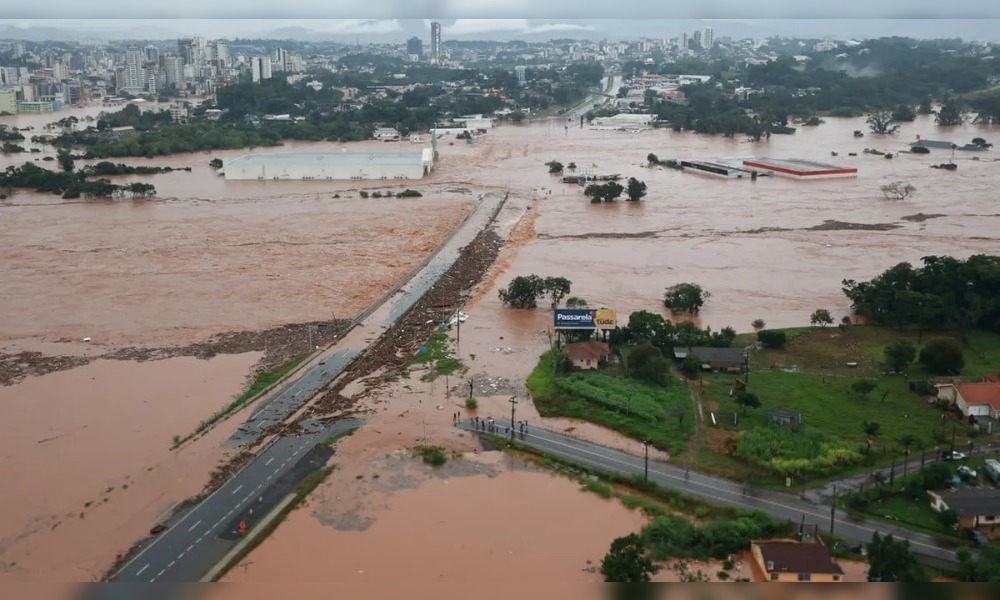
408,193
772,338
936,476
942,355
674,536
363,194
471,403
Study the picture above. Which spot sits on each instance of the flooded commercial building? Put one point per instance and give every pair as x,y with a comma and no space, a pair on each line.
800,169
333,165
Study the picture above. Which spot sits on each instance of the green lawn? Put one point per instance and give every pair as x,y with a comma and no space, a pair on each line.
636,409
918,515
811,375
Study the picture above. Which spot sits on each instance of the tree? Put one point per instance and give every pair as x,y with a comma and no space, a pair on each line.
936,476
571,166
891,560
899,355
65,159
523,292
871,430
557,288
628,561
685,298
747,400
215,163
907,441
882,122
948,518
691,366
758,324
862,388
925,106
772,338
647,363
575,302
821,317
982,568
951,113
942,355
904,113
555,167
897,190
652,159
636,189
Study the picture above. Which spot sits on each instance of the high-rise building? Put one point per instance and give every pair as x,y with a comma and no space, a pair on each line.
684,41
222,52
696,38
173,68
186,50
435,41
415,48
151,83
152,55
279,61
521,72
707,39
134,76
260,68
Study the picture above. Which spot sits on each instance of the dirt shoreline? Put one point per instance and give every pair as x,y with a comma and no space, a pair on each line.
278,344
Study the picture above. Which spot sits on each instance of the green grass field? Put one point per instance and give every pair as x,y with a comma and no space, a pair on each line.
638,410
438,355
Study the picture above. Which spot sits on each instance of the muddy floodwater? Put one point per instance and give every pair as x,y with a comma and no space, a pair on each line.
86,460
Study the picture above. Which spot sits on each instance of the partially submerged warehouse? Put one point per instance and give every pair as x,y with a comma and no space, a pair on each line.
357,165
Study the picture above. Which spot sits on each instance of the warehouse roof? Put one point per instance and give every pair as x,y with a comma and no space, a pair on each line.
412,157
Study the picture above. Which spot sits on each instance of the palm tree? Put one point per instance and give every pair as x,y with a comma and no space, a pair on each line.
871,430
907,441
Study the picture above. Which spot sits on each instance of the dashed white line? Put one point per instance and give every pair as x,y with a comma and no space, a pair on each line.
195,525
191,546
161,573
276,470
238,488
268,461
181,555
171,563
139,572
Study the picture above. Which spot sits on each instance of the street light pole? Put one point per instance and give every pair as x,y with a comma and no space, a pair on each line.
646,463
833,509
513,402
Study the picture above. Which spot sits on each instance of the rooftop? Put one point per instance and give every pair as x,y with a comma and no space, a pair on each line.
971,501
795,557
798,164
980,393
712,355
342,158
587,350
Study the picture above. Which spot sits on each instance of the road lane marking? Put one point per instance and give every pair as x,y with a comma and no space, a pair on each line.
276,470
269,461
723,491
190,547
181,555
240,487
171,563
139,572
195,525
160,574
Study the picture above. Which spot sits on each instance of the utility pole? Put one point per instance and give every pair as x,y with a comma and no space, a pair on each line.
310,330
833,509
646,466
458,331
513,403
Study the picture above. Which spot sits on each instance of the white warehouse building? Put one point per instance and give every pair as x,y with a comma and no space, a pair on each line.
358,165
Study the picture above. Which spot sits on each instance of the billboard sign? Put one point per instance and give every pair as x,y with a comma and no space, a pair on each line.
585,318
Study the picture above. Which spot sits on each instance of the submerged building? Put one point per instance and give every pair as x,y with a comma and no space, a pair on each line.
357,165
799,169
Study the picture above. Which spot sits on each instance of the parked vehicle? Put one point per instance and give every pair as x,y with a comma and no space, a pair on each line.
952,455
158,528
968,474
992,468
977,537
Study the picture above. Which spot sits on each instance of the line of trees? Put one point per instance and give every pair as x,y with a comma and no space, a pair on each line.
69,184
945,292
525,291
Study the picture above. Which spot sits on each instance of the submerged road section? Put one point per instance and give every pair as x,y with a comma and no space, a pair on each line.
200,538
371,324
722,491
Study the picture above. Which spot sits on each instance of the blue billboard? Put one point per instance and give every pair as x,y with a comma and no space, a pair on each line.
585,318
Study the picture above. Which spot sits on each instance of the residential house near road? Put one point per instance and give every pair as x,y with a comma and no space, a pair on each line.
587,355
789,561
976,507
727,360
978,399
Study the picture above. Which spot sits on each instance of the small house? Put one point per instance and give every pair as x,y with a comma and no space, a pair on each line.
726,360
587,355
976,507
978,399
784,417
791,561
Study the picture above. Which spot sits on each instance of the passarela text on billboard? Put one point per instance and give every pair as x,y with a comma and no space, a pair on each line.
585,318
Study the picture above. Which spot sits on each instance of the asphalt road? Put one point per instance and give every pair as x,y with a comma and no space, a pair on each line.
722,491
201,537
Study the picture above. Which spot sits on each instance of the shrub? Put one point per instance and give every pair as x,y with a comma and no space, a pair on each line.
408,193
942,355
363,194
794,453
772,338
471,403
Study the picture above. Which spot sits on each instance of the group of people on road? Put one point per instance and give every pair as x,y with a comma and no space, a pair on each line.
489,424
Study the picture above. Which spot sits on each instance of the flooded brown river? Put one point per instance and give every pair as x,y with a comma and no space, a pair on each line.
208,256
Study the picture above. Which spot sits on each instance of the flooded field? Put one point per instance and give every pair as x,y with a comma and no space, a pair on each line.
86,460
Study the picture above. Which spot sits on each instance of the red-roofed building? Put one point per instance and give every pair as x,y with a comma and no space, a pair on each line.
978,399
791,561
587,355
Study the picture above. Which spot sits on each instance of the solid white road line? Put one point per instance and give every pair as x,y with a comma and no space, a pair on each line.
238,488
195,525
139,572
